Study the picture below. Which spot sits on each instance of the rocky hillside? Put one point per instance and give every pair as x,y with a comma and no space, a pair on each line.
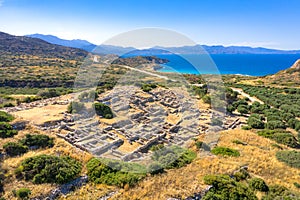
288,77
21,45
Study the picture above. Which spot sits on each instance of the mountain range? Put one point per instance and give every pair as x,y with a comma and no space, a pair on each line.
22,45
196,49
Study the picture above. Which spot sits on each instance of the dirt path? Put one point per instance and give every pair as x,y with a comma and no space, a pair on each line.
252,99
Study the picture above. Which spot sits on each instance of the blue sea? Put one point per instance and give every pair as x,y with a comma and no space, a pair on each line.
246,64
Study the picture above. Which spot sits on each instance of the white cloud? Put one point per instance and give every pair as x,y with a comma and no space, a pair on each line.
255,44
1,2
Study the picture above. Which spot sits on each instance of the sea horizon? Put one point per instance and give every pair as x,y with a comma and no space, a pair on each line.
235,64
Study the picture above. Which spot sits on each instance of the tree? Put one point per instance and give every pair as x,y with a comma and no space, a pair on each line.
255,121
103,110
276,124
75,107
243,109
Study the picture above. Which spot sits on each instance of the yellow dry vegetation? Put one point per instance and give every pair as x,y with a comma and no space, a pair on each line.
258,155
40,115
9,165
89,191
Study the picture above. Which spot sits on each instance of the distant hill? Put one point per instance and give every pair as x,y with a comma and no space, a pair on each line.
22,45
288,77
81,44
196,49
199,49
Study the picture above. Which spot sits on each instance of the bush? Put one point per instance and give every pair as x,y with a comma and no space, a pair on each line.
155,168
238,142
241,175
120,175
297,185
280,136
173,157
225,188
255,122
279,192
225,151
216,122
23,193
49,169
14,149
202,145
48,93
103,110
258,184
39,141
5,117
291,158
75,107
148,87
6,130
276,124
243,109
206,99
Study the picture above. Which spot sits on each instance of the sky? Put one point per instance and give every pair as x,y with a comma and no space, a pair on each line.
266,23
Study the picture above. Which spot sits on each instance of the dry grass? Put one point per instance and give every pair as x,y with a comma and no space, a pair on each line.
61,147
258,154
89,192
40,115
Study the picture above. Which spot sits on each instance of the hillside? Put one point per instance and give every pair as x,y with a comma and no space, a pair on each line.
81,44
291,77
34,63
21,45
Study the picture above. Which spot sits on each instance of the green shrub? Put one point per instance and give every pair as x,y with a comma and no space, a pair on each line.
238,142
276,124
14,149
206,99
23,193
5,117
280,136
39,141
291,158
173,157
226,188
246,127
202,145
225,151
297,185
6,130
48,93
243,109
216,122
155,168
49,169
258,184
255,121
148,87
114,172
103,110
279,192
75,107
241,175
